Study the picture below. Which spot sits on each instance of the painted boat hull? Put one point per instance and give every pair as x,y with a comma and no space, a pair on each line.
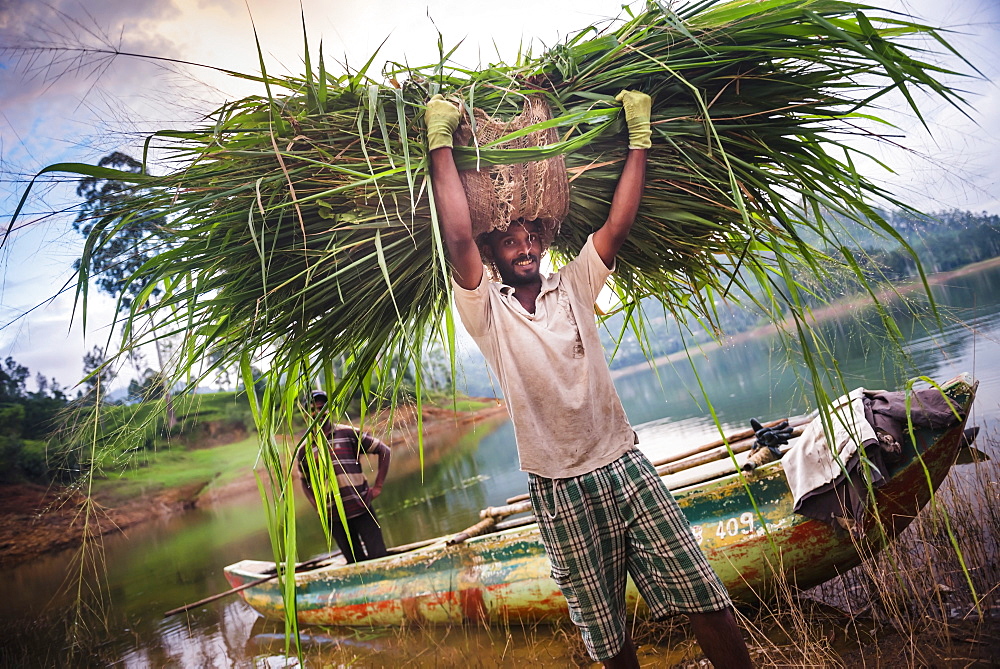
504,577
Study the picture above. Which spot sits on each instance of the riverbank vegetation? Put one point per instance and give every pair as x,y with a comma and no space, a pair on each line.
208,456
27,422
43,433
38,442
944,241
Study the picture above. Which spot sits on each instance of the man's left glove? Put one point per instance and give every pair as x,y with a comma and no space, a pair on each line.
637,110
441,119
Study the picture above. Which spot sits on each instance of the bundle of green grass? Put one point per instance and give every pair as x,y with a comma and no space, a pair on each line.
301,228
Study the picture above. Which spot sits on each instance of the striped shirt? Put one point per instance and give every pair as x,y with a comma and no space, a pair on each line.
346,444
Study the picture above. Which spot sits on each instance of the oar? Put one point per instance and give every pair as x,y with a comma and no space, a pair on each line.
686,460
738,443
482,527
712,452
490,515
717,450
498,512
302,566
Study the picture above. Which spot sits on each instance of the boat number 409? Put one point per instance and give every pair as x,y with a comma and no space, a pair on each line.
729,527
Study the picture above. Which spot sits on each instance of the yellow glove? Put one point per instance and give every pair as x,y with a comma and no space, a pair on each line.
637,108
441,119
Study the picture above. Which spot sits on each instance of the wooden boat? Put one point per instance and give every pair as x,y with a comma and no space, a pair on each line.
503,576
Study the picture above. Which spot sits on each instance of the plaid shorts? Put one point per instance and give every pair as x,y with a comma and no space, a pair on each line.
620,519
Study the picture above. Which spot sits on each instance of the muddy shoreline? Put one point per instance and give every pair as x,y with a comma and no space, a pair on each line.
36,520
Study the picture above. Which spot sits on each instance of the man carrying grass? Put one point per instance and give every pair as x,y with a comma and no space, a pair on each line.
602,510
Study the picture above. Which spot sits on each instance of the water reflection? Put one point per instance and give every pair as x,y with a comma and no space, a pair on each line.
515,646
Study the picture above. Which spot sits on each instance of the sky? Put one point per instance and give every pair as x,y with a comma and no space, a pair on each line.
67,105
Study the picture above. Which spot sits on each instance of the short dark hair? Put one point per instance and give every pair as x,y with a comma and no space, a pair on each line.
318,395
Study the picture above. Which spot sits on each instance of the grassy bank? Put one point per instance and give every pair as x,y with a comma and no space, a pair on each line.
226,455
209,454
213,442
180,468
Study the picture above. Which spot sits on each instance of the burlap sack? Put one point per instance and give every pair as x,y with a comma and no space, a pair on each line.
499,194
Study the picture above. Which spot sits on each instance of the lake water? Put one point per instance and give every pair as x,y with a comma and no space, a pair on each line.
163,565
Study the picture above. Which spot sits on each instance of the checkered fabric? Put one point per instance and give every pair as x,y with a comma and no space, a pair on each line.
617,520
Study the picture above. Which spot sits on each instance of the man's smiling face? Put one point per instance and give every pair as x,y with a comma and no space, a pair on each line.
517,252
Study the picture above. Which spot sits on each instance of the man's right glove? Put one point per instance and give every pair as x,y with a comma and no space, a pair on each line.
637,110
441,119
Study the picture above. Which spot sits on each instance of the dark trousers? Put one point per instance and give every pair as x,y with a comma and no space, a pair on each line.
366,537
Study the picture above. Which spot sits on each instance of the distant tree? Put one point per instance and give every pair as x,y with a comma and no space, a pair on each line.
138,361
436,369
12,378
26,423
56,390
98,375
11,420
43,385
124,238
259,381
149,386
223,377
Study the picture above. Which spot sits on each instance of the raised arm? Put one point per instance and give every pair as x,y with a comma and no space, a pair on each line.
441,119
628,193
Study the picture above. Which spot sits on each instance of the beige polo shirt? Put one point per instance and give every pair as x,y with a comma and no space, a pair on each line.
567,417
